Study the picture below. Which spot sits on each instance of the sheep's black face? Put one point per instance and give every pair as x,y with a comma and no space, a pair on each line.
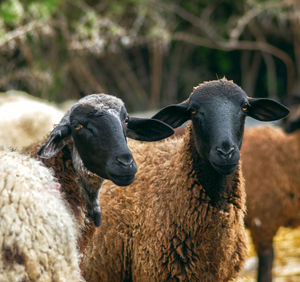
218,114
218,110
100,139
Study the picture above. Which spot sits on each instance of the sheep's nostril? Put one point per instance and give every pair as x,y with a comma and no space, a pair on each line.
225,153
125,160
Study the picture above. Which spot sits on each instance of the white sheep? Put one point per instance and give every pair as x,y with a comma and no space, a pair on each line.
38,236
25,119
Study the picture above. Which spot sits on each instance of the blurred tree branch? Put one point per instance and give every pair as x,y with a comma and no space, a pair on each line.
212,39
148,52
21,32
243,45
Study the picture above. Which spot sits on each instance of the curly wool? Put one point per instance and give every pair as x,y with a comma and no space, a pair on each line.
62,165
270,166
164,226
38,235
24,119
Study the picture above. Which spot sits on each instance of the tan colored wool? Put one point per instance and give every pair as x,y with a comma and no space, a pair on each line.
38,235
163,227
271,165
24,120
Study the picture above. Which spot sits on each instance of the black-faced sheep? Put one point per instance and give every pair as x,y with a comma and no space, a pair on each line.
88,146
38,236
271,165
182,219
25,120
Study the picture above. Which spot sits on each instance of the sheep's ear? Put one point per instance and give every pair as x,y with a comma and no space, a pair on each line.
147,129
55,142
292,125
173,115
266,109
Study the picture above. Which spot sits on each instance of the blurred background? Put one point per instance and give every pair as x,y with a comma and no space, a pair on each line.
150,53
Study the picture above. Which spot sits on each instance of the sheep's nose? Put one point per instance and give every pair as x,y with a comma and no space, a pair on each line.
225,153
125,160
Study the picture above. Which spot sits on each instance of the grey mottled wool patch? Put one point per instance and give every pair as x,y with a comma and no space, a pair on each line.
100,102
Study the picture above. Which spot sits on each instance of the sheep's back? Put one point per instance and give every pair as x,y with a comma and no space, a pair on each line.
38,236
25,120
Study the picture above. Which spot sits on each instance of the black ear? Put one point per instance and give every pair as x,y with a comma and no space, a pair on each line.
147,129
174,115
292,125
266,109
55,142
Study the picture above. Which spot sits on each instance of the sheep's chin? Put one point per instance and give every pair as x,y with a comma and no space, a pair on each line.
224,169
122,180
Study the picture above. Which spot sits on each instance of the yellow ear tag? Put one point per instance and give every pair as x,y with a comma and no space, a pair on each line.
79,126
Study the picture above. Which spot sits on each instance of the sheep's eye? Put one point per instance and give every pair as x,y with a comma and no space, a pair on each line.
244,107
126,120
79,126
194,112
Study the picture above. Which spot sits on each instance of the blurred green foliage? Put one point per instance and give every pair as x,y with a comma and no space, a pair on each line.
11,12
14,12
148,52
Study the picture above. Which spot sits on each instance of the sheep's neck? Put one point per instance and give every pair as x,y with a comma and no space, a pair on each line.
72,190
216,186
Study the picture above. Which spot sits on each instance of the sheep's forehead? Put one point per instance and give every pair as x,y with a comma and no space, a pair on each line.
103,102
221,87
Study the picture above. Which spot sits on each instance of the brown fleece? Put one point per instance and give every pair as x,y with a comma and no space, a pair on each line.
271,165
166,226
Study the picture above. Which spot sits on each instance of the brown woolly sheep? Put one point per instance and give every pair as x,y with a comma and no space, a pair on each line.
38,237
271,164
182,219
88,146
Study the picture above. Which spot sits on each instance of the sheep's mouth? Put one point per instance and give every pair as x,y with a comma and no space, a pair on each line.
224,169
122,180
